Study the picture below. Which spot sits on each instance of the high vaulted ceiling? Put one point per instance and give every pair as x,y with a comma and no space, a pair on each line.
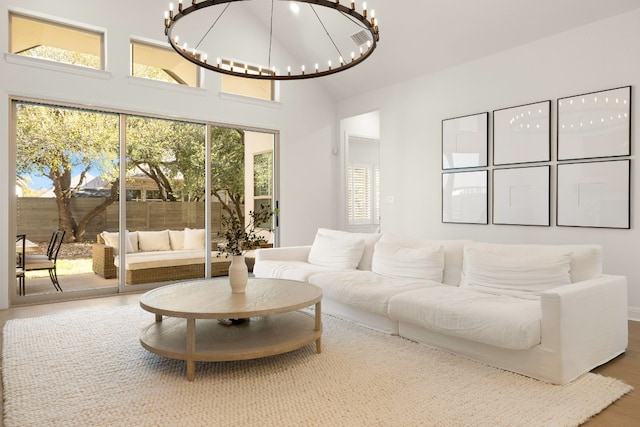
417,37
424,36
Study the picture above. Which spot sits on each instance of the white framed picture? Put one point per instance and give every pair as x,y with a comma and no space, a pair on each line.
464,197
596,124
594,194
522,134
521,196
465,141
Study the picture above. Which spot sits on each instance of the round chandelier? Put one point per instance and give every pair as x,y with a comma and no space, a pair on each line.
272,39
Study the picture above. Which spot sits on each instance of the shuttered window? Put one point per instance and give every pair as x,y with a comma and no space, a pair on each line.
362,194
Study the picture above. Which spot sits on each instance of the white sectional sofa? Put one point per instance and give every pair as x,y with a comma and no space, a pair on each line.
543,311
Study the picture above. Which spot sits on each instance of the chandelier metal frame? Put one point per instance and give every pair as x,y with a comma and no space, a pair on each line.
251,71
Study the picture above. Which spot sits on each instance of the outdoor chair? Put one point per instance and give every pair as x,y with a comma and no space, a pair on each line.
20,259
38,263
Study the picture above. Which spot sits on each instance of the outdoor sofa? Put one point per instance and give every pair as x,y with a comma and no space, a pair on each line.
543,311
157,256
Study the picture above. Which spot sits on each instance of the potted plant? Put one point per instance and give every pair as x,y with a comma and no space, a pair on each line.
240,238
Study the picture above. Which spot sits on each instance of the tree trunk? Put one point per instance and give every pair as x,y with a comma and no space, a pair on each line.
66,222
84,222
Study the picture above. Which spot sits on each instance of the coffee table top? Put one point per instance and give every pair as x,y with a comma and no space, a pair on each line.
213,299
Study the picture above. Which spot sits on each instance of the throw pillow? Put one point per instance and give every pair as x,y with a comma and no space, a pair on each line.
193,239
515,275
370,240
336,252
154,241
418,263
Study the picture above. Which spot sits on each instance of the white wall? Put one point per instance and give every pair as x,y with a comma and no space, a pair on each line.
596,57
305,115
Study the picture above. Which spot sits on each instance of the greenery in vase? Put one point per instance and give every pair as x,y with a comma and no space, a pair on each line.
241,237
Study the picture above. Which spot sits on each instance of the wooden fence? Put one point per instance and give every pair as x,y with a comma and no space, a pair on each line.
38,216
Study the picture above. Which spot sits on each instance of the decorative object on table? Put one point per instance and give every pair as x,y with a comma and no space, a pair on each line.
594,194
464,197
521,196
596,124
326,36
464,141
242,237
522,134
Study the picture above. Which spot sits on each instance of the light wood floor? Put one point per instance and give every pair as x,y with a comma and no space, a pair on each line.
624,412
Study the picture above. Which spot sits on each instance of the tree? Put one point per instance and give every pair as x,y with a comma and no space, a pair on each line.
167,152
227,169
58,142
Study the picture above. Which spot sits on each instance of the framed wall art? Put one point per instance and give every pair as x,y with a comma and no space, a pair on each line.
594,194
596,124
465,141
522,134
521,196
464,197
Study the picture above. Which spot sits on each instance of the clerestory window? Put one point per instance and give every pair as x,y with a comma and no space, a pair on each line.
163,64
56,41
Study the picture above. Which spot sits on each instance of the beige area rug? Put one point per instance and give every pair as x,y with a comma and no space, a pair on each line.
88,369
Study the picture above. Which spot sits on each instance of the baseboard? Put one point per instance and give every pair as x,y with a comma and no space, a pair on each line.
634,314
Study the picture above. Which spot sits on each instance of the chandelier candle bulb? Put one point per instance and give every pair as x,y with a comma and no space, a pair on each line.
179,5
170,10
316,67
353,5
303,66
364,9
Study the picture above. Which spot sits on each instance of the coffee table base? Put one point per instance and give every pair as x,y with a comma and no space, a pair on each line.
211,341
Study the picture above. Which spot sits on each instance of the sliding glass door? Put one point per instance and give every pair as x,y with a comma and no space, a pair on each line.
146,225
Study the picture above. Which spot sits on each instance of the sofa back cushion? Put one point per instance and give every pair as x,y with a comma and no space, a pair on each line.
586,260
194,238
419,263
369,239
113,239
452,253
343,252
176,239
516,275
149,241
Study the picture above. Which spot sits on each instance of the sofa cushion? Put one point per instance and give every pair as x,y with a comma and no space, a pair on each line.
112,239
586,260
370,240
452,253
291,270
498,320
336,251
365,290
155,259
176,239
419,263
154,241
523,276
194,239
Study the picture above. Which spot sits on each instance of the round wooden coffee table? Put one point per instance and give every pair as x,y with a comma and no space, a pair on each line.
275,325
